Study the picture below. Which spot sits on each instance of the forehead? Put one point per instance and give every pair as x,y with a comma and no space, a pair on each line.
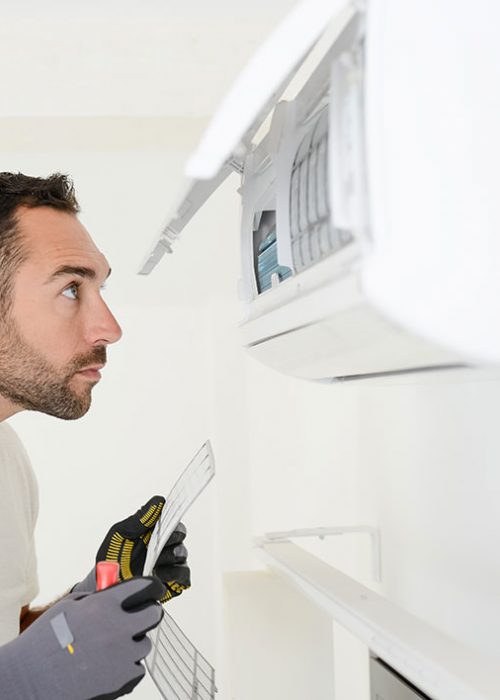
53,238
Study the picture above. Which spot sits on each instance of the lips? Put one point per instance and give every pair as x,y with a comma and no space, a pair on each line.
91,372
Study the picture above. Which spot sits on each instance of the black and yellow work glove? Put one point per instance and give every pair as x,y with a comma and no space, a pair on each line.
127,542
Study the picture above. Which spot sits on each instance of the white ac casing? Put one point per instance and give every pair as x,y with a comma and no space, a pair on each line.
387,269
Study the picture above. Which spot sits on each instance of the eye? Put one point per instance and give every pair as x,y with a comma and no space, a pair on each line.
71,292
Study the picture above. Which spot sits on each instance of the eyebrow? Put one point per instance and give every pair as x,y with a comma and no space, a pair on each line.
86,272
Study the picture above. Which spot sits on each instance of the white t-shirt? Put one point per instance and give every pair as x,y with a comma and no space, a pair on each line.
18,513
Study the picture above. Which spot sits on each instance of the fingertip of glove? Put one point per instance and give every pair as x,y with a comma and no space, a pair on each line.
147,516
154,501
158,588
128,688
146,589
180,552
181,528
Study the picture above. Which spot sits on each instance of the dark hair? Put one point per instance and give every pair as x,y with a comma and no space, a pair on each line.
18,190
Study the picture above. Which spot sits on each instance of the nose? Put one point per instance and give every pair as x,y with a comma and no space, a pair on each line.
104,328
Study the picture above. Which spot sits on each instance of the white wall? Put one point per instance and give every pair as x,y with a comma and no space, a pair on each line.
429,455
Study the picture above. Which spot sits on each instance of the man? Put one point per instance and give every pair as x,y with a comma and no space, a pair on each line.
54,332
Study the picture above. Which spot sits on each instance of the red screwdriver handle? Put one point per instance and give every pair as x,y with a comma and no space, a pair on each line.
107,574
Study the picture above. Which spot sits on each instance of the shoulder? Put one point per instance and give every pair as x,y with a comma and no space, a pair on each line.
8,433
15,466
10,444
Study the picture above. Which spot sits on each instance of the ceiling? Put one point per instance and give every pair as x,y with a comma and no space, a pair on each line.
129,58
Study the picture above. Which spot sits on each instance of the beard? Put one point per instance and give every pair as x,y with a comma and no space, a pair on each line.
30,381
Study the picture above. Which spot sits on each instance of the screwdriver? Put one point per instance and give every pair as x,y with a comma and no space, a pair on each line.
107,574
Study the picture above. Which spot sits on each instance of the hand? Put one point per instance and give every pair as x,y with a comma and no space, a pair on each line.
86,647
127,543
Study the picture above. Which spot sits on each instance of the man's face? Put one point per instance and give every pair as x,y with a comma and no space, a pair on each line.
53,340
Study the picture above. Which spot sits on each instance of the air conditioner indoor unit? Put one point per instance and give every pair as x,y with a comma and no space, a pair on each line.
357,253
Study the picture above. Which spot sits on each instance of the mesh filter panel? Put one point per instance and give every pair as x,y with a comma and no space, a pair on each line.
178,669
193,480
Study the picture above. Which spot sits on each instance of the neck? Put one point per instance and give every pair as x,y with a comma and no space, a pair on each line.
8,408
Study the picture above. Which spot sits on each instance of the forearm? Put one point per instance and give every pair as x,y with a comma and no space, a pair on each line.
29,615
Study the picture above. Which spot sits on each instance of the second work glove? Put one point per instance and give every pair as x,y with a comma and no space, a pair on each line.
127,542
86,647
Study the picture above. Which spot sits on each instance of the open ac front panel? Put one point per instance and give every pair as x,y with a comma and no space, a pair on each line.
287,178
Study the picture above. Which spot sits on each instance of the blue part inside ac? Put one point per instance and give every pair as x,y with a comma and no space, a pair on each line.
267,263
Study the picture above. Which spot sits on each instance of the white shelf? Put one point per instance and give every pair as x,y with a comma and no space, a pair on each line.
440,666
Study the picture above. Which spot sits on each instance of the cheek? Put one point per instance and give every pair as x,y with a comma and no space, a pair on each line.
54,336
